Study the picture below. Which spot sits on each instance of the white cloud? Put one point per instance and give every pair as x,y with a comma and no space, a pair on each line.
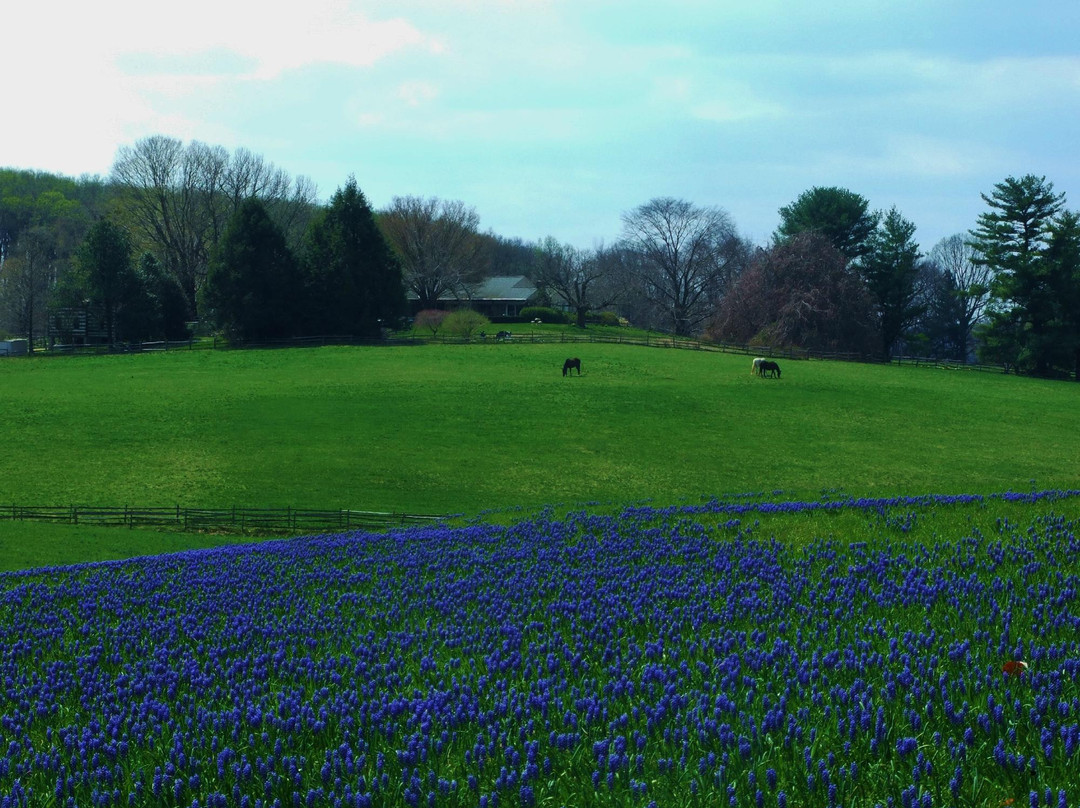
417,93
999,84
276,40
629,99
736,108
913,156
97,75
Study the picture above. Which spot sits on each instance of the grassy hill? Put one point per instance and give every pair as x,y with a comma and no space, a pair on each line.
462,429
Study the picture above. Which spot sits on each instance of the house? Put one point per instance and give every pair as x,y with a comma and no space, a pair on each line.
495,297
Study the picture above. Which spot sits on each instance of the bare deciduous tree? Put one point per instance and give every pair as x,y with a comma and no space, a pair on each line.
161,179
25,280
437,243
180,198
969,279
686,253
577,277
289,201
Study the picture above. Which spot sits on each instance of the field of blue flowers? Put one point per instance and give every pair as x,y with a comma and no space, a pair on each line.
689,656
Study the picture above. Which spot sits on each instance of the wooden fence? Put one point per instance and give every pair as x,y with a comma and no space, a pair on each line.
255,521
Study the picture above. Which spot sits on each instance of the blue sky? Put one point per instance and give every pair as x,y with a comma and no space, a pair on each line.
553,117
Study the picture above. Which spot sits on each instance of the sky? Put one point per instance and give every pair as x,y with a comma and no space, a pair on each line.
557,117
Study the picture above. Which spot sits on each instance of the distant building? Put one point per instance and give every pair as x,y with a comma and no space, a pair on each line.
82,325
14,347
499,296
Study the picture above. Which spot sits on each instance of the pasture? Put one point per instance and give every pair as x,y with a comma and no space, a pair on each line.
464,429
461,429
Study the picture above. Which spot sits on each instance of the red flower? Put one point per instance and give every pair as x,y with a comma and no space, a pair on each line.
1014,668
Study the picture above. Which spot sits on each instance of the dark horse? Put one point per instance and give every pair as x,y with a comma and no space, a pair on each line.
769,368
570,364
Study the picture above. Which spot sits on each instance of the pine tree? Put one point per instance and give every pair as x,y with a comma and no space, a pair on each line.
838,214
354,281
1063,254
891,270
169,302
1012,238
105,261
253,282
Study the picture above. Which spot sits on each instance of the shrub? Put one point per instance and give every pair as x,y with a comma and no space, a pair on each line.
545,314
603,318
464,323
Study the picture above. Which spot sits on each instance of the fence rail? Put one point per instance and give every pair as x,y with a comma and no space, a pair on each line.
225,520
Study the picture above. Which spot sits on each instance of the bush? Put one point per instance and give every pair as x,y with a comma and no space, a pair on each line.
464,323
544,313
603,318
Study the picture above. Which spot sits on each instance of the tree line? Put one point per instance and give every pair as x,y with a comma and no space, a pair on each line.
180,233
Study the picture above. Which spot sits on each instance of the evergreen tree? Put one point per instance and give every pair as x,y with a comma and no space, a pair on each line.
891,270
1063,255
168,305
354,281
1012,239
942,325
838,214
253,282
110,280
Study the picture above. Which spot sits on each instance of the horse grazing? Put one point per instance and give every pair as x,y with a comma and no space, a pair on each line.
570,364
770,369
755,368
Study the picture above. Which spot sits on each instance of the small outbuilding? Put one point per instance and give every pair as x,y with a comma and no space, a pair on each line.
14,347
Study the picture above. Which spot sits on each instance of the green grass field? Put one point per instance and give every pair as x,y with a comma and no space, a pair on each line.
465,429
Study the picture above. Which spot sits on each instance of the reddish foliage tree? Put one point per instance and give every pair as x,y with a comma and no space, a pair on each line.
800,293
431,319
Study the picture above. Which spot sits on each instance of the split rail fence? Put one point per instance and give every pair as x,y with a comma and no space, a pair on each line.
227,520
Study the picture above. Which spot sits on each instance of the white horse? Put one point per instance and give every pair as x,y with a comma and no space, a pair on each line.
755,369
